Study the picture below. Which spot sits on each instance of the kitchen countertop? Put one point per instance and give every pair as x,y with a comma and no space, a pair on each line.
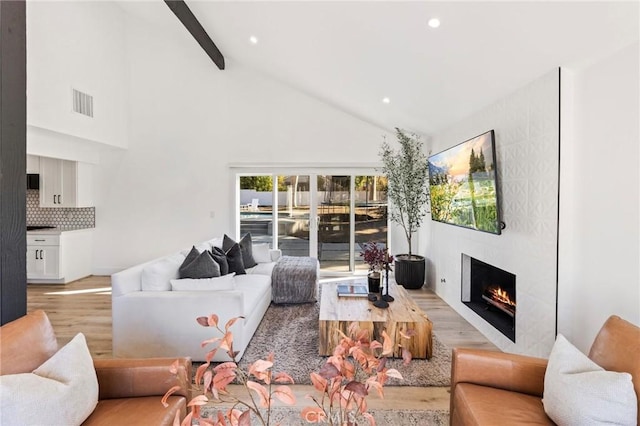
58,230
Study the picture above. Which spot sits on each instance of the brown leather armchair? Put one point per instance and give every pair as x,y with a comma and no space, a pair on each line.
130,390
495,388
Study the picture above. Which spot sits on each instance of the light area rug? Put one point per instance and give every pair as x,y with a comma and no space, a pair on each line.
291,333
291,417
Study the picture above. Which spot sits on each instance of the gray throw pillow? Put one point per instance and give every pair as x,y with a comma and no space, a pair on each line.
193,254
202,266
246,248
218,255
234,258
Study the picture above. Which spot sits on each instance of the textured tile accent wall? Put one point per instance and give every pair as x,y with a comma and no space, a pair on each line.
526,124
84,217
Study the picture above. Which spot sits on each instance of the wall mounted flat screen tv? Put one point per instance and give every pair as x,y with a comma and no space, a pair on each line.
463,185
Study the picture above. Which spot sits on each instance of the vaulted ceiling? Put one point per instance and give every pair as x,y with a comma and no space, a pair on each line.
353,54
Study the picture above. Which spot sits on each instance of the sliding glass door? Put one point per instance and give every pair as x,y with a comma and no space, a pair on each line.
328,216
334,223
371,220
294,211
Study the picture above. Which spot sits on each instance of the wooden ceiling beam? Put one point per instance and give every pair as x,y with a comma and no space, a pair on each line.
191,23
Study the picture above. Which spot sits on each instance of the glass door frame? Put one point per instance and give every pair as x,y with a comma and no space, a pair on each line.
313,171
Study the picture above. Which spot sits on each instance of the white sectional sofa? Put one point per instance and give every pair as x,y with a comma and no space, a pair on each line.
152,320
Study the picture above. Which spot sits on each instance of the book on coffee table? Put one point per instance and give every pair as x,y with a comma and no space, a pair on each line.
353,290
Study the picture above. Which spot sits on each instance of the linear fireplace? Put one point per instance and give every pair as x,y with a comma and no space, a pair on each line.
491,293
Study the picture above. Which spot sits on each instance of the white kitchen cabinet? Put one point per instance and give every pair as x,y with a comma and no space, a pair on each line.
65,183
43,262
58,257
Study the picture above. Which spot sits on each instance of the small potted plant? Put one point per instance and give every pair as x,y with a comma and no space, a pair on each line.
376,256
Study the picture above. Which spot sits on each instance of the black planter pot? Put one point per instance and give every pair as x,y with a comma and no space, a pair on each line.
374,283
409,272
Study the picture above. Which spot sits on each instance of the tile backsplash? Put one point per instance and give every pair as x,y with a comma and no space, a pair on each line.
83,217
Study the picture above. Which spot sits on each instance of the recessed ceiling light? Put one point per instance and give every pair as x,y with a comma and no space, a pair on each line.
434,22
386,100
253,40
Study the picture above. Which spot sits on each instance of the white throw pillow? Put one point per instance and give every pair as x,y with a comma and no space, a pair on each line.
62,391
156,276
577,391
261,253
225,282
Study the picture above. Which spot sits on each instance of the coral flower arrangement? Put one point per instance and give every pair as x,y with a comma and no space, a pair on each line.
356,368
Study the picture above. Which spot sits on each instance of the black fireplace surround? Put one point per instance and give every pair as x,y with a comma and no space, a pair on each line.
491,293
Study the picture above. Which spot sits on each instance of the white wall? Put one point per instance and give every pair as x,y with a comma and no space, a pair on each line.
599,238
188,122
526,126
75,45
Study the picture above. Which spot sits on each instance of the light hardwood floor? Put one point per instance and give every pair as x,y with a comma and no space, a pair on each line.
85,306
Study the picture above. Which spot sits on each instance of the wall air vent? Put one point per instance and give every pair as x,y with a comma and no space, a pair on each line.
82,103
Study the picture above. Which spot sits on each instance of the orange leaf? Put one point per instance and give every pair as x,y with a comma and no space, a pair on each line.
210,321
168,394
283,377
375,345
387,346
200,372
392,372
198,400
245,419
368,416
227,341
208,341
313,414
231,322
363,336
229,365
187,420
234,415
173,369
207,380
213,320
284,394
261,391
406,356
319,382
222,378
260,365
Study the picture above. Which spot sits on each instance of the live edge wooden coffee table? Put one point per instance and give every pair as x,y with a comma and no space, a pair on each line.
337,313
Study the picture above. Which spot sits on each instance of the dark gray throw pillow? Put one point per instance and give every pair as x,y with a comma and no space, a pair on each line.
246,248
193,254
218,255
202,266
234,258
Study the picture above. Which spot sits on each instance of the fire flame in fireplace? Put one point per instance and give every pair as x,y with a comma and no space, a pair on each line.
500,295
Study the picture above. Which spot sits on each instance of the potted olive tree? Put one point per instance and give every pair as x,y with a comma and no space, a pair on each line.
407,175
